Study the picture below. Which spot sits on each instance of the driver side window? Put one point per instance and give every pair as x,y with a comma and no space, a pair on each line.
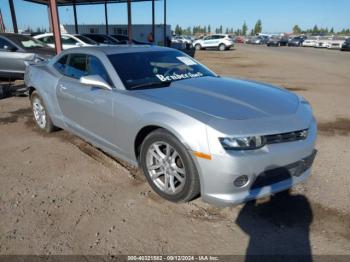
95,67
61,64
76,67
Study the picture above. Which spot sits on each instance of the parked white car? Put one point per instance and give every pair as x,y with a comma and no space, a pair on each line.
181,39
323,42
220,41
337,42
311,41
68,40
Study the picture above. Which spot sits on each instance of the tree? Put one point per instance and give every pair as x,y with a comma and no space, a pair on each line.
331,31
315,30
244,29
178,30
258,27
296,30
209,29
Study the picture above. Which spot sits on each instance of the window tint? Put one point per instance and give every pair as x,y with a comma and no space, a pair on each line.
4,43
86,40
76,67
97,38
218,37
66,40
95,67
47,40
60,65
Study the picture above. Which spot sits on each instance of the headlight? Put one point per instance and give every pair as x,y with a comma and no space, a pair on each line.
242,143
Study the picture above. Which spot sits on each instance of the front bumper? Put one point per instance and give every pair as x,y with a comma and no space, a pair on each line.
291,161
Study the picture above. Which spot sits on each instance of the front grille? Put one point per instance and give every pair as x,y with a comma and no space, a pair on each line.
287,137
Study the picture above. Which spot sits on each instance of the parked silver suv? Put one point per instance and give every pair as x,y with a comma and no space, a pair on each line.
17,51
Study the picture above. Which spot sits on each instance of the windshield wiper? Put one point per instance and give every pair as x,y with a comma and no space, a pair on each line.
150,85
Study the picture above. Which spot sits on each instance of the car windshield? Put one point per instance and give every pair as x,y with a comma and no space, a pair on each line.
86,40
155,69
26,42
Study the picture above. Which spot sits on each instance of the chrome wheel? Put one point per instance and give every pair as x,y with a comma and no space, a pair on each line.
39,113
165,168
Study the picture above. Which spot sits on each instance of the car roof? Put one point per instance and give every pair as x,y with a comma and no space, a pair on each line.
119,49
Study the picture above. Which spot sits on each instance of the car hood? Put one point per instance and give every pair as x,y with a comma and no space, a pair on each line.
224,98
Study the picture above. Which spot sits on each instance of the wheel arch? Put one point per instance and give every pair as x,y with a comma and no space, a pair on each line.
146,130
31,89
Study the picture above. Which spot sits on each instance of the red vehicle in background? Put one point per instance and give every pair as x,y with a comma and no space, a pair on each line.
239,40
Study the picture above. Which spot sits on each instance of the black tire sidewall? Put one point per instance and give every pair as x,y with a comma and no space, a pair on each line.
191,188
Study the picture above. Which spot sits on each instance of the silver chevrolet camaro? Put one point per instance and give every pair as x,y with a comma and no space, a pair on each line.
191,131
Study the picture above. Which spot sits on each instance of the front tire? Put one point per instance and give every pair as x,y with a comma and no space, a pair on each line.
41,116
198,47
168,167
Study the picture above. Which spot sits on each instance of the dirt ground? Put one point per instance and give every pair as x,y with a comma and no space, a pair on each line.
59,195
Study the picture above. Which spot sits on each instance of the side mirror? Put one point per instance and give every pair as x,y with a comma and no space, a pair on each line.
95,81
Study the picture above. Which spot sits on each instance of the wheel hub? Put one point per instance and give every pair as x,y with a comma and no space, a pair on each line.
165,168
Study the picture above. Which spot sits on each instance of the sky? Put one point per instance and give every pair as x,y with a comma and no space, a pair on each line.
276,15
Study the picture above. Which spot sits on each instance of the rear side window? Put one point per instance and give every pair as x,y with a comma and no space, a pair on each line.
76,67
47,39
60,65
66,40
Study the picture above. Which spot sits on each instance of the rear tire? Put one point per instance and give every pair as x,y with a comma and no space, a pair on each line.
168,167
41,116
222,47
198,47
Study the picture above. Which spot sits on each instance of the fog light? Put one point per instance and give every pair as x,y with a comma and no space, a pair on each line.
241,181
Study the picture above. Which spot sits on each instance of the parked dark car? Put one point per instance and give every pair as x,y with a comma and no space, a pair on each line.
296,41
124,39
274,41
346,45
284,41
103,39
17,51
259,40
